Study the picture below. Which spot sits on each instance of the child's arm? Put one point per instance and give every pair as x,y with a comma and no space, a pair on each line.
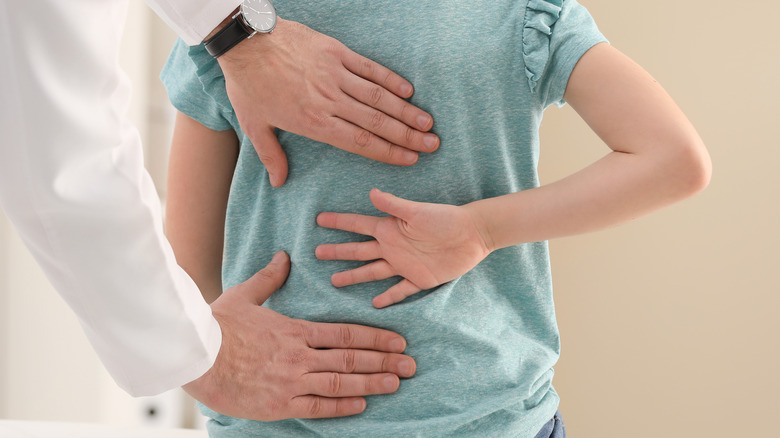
657,158
199,176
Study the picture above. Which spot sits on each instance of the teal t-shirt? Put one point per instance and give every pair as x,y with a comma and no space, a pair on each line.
485,343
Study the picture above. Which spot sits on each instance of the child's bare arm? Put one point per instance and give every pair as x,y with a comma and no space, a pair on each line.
199,176
657,158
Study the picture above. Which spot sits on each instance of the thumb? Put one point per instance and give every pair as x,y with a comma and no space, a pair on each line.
267,280
271,154
393,205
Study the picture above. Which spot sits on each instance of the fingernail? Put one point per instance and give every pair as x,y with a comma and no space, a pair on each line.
424,121
390,383
278,258
273,180
430,140
406,368
397,345
410,157
359,405
406,90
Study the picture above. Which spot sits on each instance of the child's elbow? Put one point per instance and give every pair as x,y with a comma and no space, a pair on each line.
694,167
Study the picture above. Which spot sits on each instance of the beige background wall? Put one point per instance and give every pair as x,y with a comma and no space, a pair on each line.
669,323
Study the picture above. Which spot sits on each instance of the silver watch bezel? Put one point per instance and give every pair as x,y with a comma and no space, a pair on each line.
242,14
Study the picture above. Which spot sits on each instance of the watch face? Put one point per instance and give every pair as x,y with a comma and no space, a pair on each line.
260,14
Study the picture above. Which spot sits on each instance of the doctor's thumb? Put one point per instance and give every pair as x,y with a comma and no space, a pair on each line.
271,155
267,280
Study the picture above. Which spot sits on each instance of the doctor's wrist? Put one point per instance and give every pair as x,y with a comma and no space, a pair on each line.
262,45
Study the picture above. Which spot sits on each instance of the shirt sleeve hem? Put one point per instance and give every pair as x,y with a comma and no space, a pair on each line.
192,21
196,366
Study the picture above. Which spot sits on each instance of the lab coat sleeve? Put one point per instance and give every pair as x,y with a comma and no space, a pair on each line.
193,19
73,184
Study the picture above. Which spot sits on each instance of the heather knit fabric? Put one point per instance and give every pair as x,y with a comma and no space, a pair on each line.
485,343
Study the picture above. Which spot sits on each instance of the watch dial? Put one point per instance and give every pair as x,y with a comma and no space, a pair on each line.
260,14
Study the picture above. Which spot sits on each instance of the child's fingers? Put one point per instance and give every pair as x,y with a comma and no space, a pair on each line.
361,251
355,223
393,205
396,294
378,270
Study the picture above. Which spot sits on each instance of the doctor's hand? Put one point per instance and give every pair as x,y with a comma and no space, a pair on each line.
426,244
271,367
307,83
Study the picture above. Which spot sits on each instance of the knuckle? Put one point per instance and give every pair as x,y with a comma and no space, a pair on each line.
296,357
388,79
267,160
362,138
393,154
329,91
315,407
385,366
316,118
377,120
384,151
349,362
333,46
409,135
346,337
354,253
403,114
307,332
325,90
376,340
366,66
267,273
375,95
334,384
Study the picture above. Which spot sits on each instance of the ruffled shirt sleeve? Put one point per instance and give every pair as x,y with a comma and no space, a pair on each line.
556,33
196,86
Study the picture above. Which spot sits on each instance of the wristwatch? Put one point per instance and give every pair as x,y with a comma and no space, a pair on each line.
253,16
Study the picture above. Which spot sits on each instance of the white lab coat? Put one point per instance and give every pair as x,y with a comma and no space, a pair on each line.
73,184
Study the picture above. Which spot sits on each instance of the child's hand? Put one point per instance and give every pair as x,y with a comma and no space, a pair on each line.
427,244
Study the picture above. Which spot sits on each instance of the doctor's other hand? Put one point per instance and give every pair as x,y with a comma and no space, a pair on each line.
271,367
307,83
426,244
